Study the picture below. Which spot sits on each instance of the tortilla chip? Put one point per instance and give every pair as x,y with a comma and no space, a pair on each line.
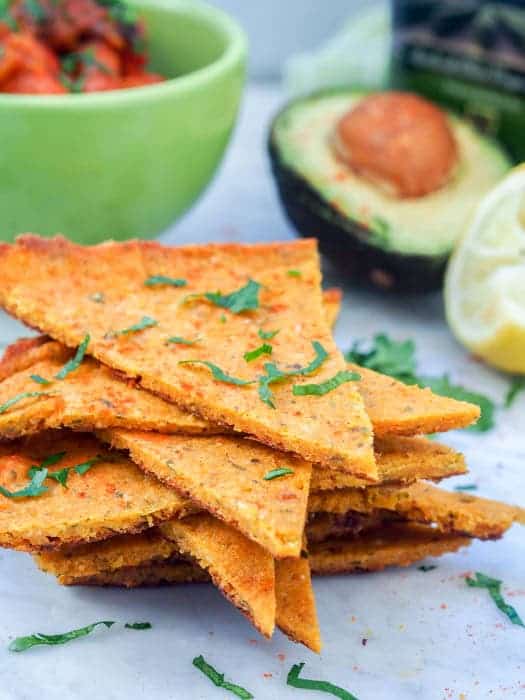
421,502
113,496
400,544
296,611
90,398
52,284
240,568
25,352
70,564
400,409
400,460
329,526
225,475
332,300
157,574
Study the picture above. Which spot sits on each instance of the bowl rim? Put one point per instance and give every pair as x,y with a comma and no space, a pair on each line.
234,54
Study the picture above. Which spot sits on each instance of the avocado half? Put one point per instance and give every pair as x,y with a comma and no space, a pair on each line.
393,243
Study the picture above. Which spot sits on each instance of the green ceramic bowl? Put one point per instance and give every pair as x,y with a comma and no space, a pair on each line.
126,163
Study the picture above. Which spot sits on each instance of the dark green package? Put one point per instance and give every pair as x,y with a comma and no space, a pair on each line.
468,55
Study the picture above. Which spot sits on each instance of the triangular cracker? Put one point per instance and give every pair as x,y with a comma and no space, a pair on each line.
296,611
113,496
226,476
154,574
400,409
53,285
421,502
399,544
400,460
240,568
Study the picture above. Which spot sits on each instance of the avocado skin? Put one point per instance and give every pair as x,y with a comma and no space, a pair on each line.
348,243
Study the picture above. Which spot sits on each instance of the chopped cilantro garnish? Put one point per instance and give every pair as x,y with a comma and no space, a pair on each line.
466,487
294,273
493,586
20,397
517,385
39,380
138,625
222,318
263,349
158,280
53,459
386,356
324,387
276,473
178,340
397,359
324,686
274,374
74,362
145,322
267,335
218,679
62,475
217,372
427,567
24,643
34,488
244,299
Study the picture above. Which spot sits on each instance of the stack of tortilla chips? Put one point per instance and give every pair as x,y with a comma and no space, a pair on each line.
187,417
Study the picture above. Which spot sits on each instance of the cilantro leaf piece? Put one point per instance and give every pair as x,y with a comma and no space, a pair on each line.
24,643
138,625
60,475
74,362
517,385
182,341
217,372
294,273
397,359
244,299
324,387
20,397
274,374
276,473
145,322
466,487
39,380
324,686
443,387
218,679
263,349
84,467
427,567
34,488
493,586
267,335
52,459
158,280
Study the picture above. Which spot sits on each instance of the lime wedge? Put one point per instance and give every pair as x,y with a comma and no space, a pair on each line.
485,280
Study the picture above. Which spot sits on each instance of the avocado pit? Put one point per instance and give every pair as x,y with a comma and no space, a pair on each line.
398,141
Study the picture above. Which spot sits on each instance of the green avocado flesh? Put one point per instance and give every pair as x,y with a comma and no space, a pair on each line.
418,229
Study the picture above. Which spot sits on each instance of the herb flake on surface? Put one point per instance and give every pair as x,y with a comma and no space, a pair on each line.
427,567
161,280
323,686
179,340
323,388
218,679
145,322
264,349
217,372
294,273
39,379
466,487
20,397
266,335
34,488
244,299
75,361
493,586
138,625
24,643
517,385
277,473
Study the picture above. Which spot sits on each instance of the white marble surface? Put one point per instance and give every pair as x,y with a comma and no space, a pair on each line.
429,635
